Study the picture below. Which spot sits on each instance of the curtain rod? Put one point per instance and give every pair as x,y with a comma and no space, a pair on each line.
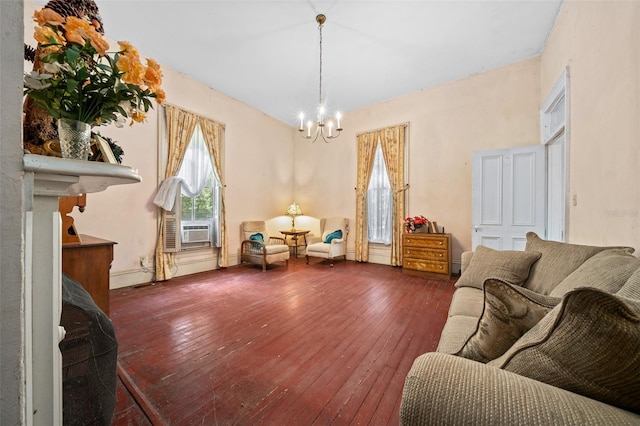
194,113
405,124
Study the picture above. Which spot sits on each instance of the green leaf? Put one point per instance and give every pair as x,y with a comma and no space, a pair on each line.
72,54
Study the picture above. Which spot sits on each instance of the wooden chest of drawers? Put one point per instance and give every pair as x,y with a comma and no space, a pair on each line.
89,264
428,255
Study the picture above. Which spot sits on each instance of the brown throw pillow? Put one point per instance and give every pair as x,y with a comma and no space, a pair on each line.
607,270
588,344
509,312
557,262
509,266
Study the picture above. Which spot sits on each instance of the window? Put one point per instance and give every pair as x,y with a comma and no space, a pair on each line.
200,196
379,201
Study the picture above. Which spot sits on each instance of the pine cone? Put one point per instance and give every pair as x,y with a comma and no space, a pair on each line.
79,8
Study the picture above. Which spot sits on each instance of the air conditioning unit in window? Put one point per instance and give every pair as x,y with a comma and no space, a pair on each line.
195,233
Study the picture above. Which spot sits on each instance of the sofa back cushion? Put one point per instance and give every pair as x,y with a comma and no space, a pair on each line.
508,266
589,344
607,270
631,288
558,260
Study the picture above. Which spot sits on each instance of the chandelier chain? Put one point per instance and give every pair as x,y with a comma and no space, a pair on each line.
320,89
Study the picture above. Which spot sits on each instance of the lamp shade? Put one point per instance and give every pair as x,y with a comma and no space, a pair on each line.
294,210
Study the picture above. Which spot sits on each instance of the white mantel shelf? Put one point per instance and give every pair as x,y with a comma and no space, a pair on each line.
47,179
91,176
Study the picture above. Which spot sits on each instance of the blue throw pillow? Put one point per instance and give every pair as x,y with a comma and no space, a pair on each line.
257,237
335,234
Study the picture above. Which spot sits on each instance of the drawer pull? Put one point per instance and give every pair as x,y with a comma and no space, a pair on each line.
440,242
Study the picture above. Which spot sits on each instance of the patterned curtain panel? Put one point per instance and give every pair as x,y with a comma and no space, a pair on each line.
213,131
180,126
392,140
366,152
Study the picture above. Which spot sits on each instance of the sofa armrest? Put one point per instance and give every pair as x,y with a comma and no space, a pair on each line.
465,259
445,389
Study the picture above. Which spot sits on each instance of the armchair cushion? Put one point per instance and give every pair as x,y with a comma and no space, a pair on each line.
257,237
334,235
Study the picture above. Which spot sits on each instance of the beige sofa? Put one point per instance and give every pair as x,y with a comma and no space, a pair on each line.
547,336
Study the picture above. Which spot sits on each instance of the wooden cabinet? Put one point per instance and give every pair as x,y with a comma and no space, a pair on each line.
428,255
88,262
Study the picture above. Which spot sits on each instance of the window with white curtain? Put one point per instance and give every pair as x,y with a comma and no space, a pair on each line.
201,190
379,201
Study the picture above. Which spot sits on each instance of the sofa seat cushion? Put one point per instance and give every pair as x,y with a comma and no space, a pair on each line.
607,270
558,260
588,344
509,312
508,266
456,332
467,301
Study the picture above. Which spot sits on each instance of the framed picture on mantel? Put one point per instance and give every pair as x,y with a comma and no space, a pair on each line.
106,154
433,227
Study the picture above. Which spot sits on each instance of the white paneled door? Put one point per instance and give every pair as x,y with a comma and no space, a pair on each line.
509,197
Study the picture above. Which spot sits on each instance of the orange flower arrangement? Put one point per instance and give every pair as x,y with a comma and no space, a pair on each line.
81,81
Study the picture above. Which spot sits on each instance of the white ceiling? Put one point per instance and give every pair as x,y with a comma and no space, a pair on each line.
265,53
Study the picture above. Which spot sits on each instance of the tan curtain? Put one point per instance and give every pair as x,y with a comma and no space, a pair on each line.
392,142
212,131
367,143
180,127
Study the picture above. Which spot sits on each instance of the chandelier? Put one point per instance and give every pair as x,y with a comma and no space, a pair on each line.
317,129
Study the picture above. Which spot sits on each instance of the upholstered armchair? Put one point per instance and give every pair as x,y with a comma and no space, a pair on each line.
259,248
333,242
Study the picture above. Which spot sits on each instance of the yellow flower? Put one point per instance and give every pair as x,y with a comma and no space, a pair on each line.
46,35
47,16
80,31
125,46
161,96
137,117
132,68
153,75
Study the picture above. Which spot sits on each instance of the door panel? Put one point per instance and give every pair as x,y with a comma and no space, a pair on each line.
508,196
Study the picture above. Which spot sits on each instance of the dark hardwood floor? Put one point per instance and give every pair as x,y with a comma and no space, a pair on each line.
303,345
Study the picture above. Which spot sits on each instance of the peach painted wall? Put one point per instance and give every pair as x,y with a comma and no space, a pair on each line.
599,41
494,109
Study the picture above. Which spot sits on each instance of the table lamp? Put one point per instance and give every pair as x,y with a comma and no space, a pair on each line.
294,210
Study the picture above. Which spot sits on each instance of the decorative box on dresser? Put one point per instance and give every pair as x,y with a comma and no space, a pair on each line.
88,263
427,255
